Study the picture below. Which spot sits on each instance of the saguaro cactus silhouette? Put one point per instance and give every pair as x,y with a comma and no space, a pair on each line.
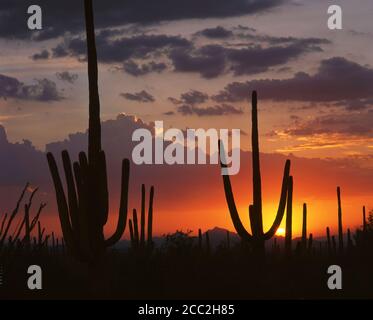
340,229
258,236
85,212
138,238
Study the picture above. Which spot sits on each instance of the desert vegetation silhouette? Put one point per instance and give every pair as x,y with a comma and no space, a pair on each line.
213,264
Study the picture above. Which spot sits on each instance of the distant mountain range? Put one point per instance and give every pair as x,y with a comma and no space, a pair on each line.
218,236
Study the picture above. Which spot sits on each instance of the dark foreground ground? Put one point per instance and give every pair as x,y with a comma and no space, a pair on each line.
190,274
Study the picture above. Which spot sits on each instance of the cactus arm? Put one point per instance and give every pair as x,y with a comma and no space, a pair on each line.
233,210
122,219
135,227
104,192
282,204
63,210
240,229
81,186
3,223
131,233
257,183
142,216
71,192
150,217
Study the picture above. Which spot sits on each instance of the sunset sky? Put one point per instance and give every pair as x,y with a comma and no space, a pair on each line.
193,64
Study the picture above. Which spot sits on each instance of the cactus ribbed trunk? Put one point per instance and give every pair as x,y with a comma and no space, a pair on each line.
94,131
257,219
289,217
340,229
304,227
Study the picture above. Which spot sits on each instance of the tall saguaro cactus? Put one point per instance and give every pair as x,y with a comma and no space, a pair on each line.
258,236
83,210
340,229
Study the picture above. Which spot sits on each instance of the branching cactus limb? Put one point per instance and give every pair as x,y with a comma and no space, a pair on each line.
83,230
258,236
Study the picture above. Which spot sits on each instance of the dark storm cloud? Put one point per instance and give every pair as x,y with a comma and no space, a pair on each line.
136,70
211,61
141,96
122,49
67,76
216,33
59,51
337,79
43,55
191,97
355,105
217,110
67,16
43,90
349,124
